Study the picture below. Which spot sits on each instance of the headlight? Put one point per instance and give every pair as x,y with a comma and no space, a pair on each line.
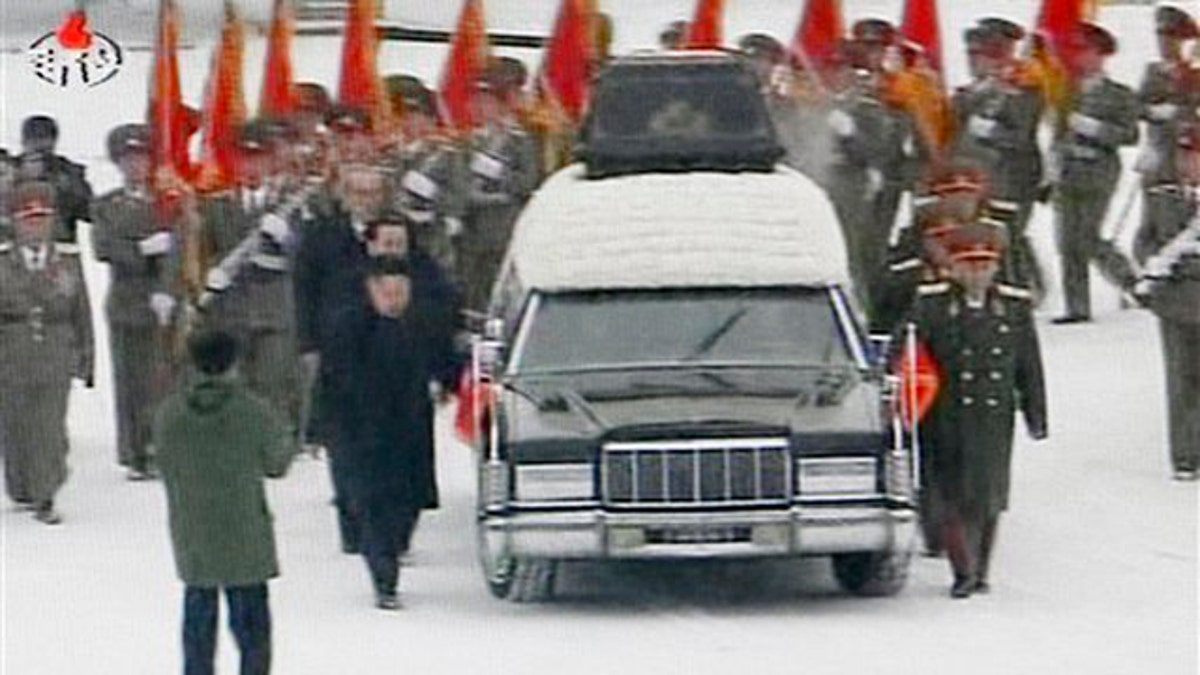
836,477
555,482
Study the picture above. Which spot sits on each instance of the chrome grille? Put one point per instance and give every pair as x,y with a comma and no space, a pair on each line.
707,472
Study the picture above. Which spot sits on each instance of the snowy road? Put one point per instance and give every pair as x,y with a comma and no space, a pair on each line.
1096,570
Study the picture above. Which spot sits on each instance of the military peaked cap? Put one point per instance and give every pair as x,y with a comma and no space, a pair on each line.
1096,37
343,118
998,28
757,45
128,138
312,97
1175,22
874,31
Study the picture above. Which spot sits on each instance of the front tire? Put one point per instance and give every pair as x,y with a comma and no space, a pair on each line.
872,574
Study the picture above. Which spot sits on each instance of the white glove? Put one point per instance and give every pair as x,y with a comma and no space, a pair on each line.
162,304
982,127
1163,112
841,123
217,280
1158,267
874,183
274,227
1143,287
454,226
487,166
1084,125
156,244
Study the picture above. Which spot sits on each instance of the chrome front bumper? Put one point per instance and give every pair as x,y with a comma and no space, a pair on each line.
798,531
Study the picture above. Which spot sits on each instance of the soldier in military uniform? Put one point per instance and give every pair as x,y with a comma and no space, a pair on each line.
998,117
249,288
1169,96
140,303
45,342
504,171
1169,251
429,174
1103,117
38,161
982,336
872,165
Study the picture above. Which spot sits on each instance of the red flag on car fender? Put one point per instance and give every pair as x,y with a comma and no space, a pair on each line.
706,30
167,117
922,27
474,407
821,29
567,64
466,64
278,98
920,381
224,108
359,85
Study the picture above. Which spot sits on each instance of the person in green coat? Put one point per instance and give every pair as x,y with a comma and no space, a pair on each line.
982,336
216,441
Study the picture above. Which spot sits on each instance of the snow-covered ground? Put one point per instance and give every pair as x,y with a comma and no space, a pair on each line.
1096,570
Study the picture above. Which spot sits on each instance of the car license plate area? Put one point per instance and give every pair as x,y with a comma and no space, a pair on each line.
698,535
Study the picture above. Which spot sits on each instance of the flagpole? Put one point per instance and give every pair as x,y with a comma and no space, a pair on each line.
910,347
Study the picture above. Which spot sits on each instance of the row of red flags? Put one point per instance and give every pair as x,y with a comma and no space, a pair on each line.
564,79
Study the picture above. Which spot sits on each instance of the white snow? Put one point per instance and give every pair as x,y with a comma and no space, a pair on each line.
1096,570
676,230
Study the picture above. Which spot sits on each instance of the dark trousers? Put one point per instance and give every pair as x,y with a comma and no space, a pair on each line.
350,524
969,539
387,531
1081,212
1181,352
33,424
137,360
249,619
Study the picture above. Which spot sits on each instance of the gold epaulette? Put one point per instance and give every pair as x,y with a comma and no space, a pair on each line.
936,288
1014,292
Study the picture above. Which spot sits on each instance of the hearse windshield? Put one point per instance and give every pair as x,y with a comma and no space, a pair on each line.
615,330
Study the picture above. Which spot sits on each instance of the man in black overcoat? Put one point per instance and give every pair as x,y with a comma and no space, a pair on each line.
385,351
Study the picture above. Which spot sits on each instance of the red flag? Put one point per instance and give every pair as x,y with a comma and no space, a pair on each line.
474,407
277,98
920,381
168,142
706,31
921,27
567,65
1058,21
820,31
224,108
464,67
359,85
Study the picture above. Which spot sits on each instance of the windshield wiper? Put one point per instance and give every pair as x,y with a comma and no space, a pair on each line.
711,340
